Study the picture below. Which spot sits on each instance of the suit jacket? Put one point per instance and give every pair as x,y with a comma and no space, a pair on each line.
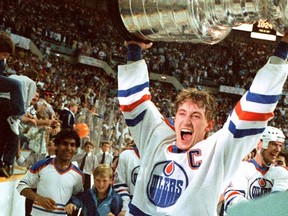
67,118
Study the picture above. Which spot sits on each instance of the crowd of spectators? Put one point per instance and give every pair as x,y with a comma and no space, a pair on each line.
89,32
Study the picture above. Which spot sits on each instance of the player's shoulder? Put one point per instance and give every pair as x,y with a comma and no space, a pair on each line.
129,151
280,169
41,164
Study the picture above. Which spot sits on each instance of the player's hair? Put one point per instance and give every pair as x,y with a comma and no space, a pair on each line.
6,43
202,98
103,170
67,134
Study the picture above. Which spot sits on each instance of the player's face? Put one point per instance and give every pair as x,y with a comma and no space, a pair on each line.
191,125
270,154
102,184
66,149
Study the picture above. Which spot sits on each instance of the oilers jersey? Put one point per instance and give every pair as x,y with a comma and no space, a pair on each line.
252,181
190,182
57,184
126,174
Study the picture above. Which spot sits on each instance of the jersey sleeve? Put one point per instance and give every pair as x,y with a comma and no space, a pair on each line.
250,116
31,178
141,115
121,180
281,179
237,190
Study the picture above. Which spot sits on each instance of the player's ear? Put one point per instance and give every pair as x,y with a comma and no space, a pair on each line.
210,126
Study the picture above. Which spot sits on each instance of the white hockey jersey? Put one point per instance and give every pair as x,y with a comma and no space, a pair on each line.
190,183
126,174
252,181
54,183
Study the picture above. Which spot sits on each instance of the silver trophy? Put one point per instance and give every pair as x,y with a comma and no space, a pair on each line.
195,21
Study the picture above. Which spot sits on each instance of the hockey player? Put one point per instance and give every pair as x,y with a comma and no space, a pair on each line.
259,176
126,175
56,178
182,171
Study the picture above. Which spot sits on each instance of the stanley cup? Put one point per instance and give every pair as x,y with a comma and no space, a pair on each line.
195,21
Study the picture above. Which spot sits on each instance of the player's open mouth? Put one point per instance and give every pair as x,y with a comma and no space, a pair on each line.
186,134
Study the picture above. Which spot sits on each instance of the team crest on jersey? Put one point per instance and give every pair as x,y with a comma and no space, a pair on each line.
134,174
259,187
167,182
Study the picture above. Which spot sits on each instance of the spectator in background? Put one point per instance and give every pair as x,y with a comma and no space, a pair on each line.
56,178
28,86
282,158
12,109
34,128
104,156
45,101
67,115
99,200
259,176
87,162
35,156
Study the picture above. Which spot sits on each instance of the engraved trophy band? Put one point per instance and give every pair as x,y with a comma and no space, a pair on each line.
195,21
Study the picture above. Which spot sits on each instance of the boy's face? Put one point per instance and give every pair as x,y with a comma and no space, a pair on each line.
102,183
88,148
105,147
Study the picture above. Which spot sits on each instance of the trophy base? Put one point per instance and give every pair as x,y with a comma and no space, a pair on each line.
114,14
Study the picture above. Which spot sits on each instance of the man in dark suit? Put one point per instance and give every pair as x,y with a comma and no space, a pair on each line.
67,115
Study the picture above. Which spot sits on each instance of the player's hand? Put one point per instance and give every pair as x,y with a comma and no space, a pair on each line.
110,214
70,208
47,203
143,46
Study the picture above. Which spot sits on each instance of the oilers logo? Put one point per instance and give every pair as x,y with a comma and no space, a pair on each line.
259,187
167,182
134,174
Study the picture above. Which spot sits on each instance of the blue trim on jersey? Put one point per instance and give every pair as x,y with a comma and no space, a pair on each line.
228,203
230,200
135,121
77,168
175,149
239,133
120,185
281,50
52,212
171,121
258,167
136,211
263,99
125,195
133,90
39,164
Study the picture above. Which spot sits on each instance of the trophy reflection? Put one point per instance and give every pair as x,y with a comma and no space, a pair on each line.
195,21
